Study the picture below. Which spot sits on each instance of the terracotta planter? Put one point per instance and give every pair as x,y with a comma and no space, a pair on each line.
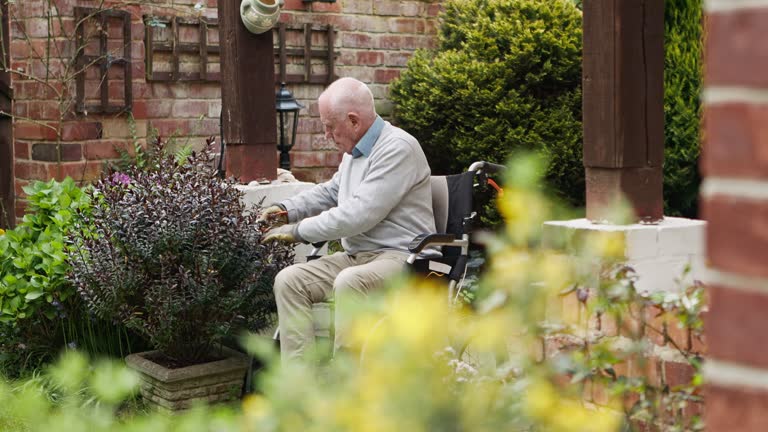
259,15
178,389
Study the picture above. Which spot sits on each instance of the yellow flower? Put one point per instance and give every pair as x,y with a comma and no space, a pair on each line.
606,244
2,231
524,211
256,406
547,407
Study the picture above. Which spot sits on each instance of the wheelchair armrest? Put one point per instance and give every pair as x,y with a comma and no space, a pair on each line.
315,253
423,240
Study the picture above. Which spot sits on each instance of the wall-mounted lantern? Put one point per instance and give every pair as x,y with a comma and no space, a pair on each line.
288,116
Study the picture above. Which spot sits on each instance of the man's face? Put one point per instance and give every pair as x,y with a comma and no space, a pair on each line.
341,129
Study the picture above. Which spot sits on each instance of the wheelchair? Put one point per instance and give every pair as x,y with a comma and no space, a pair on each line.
453,205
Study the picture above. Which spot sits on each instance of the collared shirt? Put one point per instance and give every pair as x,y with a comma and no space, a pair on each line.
365,145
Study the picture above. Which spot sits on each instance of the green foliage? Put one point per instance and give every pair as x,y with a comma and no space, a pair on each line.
149,158
171,253
505,78
416,362
683,77
41,311
33,268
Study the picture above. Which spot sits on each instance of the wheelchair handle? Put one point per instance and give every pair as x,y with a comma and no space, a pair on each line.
482,166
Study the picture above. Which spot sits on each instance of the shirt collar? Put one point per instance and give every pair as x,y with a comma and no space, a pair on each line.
365,145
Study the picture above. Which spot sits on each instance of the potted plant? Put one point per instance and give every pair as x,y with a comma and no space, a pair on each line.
170,251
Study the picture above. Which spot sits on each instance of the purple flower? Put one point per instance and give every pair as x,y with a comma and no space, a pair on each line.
119,179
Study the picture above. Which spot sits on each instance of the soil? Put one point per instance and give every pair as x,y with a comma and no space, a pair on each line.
171,363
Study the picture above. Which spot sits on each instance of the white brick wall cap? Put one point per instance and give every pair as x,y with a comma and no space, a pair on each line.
667,223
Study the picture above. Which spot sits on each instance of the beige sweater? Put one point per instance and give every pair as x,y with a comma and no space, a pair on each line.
375,202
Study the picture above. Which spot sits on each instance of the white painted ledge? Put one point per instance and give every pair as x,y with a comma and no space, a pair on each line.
658,253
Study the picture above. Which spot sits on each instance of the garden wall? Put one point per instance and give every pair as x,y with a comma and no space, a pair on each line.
666,360
56,135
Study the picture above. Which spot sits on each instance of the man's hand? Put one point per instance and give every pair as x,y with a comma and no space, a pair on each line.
273,216
283,234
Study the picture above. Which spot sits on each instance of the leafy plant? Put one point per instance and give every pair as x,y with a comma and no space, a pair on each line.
505,78
33,267
173,255
149,158
41,312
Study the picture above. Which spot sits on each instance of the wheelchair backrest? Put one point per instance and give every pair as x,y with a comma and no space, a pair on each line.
452,201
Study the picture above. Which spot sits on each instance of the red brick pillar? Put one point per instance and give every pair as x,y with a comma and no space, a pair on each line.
735,203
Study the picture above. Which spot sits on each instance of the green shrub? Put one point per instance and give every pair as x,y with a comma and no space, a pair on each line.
505,77
33,270
682,106
40,311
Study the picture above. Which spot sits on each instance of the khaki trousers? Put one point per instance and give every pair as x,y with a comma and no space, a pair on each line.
346,278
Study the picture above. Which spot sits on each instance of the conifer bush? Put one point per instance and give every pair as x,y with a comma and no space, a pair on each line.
683,76
505,77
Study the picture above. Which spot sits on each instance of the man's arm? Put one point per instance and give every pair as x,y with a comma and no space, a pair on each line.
313,201
392,174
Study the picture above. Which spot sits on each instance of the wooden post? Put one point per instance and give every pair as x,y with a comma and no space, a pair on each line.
247,97
623,94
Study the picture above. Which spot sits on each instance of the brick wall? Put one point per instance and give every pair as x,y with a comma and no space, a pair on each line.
374,39
735,202
665,361
50,140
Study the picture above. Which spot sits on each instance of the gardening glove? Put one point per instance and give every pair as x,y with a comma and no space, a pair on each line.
273,216
283,234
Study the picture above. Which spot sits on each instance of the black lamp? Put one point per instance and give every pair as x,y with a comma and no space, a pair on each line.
286,107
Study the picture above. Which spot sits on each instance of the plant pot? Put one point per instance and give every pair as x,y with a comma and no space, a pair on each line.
181,388
259,15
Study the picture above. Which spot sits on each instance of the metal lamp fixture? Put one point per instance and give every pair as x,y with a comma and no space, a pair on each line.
288,114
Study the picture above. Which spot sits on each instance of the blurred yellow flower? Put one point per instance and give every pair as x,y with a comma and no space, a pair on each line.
524,211
256,407
545,405
606,244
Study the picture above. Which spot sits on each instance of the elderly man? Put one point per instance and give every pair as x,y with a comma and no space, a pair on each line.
376,203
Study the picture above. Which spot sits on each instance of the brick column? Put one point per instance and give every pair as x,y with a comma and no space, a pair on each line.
735,202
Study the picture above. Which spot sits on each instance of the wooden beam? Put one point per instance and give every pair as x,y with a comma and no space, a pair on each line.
623,69
248,97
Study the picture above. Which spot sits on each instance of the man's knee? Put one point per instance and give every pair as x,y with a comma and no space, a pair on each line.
287,281
350,280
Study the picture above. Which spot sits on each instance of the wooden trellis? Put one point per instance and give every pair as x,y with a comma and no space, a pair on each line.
326,54
176,49
104,60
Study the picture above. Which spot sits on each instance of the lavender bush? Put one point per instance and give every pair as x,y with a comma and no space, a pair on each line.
170,252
